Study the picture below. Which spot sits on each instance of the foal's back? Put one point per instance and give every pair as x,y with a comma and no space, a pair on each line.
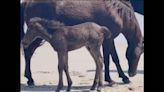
74,37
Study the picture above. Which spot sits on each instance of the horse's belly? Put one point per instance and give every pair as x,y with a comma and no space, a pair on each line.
74,9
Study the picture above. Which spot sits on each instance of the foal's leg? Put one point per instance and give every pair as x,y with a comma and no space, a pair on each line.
67,72
106,54
63,65
28,54
117,63
95,52
61,58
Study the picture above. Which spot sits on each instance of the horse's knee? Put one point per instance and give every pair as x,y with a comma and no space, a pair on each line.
106,57
60,67
106,51
106,46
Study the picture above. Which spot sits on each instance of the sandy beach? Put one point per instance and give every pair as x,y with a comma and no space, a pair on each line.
82,70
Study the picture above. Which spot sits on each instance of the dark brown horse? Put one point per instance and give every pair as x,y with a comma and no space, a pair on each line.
67,38
117,15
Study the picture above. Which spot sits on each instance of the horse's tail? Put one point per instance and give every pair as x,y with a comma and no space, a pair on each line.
22,7
107,32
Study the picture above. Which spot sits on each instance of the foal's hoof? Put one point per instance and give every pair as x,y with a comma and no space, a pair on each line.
93,88
111,83
30,83
126,80
59,88
99,89
69,87
68,90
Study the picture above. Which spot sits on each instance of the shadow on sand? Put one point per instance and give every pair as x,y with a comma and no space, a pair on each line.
24,87
115,71
53,87
44,88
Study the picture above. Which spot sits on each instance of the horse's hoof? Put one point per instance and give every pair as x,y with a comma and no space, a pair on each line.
30,83
68,89
111,83
126,80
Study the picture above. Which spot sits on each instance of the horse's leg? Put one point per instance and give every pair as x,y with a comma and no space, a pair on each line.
22,21
95,53
67,72
28,54
62,56
117,63
22,32
106,53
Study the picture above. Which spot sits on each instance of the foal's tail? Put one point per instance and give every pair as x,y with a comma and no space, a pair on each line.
107,32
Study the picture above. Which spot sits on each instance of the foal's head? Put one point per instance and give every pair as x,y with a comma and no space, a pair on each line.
35,30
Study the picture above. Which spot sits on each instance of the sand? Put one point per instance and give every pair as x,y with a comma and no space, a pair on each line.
82,70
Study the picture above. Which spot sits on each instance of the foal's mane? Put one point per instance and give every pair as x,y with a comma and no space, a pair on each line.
54,24
50,24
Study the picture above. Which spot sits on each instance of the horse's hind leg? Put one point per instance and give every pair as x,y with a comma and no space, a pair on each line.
117,63
106,54
95,53
28,54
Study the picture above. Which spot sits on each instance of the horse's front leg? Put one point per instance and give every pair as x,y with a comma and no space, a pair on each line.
115,58
28,54
106,58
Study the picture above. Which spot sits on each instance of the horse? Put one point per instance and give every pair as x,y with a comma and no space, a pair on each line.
67,38
116,15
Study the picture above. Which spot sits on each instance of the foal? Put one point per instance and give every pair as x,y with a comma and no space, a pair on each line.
66,38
